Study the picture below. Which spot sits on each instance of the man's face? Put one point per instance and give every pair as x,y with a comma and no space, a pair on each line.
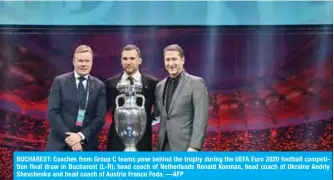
130,61
173,62
82,63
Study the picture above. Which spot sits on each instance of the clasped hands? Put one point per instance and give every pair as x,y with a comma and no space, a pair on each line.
74,141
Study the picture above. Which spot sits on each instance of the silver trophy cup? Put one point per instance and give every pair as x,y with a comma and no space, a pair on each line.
130,119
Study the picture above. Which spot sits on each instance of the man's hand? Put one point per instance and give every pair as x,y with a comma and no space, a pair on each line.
72,139
77,147
191,149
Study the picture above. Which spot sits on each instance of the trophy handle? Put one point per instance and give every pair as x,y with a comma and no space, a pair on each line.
143,98
119,96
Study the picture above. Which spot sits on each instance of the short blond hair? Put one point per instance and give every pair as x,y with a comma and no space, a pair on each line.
82,49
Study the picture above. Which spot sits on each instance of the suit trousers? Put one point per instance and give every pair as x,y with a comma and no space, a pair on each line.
166,145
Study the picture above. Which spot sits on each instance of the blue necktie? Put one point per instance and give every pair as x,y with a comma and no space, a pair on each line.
81,93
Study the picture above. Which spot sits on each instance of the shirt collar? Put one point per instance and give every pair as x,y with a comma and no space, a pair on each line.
177,78
136,76
76,75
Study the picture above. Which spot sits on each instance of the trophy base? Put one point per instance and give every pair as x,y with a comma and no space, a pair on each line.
131,149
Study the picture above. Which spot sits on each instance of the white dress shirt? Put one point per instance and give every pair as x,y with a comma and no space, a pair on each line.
136,78
84,82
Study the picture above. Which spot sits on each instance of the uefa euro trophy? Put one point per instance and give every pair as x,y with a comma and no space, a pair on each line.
130,119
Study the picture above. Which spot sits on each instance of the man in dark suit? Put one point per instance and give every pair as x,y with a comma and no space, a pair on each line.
130,61
183,103
76,106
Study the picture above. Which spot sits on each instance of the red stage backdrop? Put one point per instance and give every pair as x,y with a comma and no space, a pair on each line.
270,87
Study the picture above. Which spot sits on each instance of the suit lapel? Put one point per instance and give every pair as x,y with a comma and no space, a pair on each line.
72,88
161,93
117,80
145,82
92,86
183,80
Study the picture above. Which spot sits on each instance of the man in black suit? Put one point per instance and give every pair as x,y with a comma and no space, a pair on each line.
76,106
130,61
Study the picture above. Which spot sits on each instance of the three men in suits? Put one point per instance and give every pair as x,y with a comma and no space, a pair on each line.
130,61
182,100
76,106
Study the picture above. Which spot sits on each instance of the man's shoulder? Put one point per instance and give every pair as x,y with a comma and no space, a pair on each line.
162,82
97,80
195,78
63,76
150,78
113,78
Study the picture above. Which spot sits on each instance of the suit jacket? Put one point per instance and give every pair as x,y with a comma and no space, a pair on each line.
149,83
186,121
63,109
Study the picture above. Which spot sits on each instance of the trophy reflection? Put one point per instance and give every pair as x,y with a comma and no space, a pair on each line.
130,119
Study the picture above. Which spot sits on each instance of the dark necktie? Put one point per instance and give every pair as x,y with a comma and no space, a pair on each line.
170,92
130,78
81,93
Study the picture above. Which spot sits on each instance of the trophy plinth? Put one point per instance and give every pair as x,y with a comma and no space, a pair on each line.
130,119
131,149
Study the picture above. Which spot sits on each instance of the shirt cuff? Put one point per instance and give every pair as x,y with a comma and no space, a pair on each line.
193,149
82,136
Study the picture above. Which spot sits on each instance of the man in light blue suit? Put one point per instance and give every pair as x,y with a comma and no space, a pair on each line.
76,106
